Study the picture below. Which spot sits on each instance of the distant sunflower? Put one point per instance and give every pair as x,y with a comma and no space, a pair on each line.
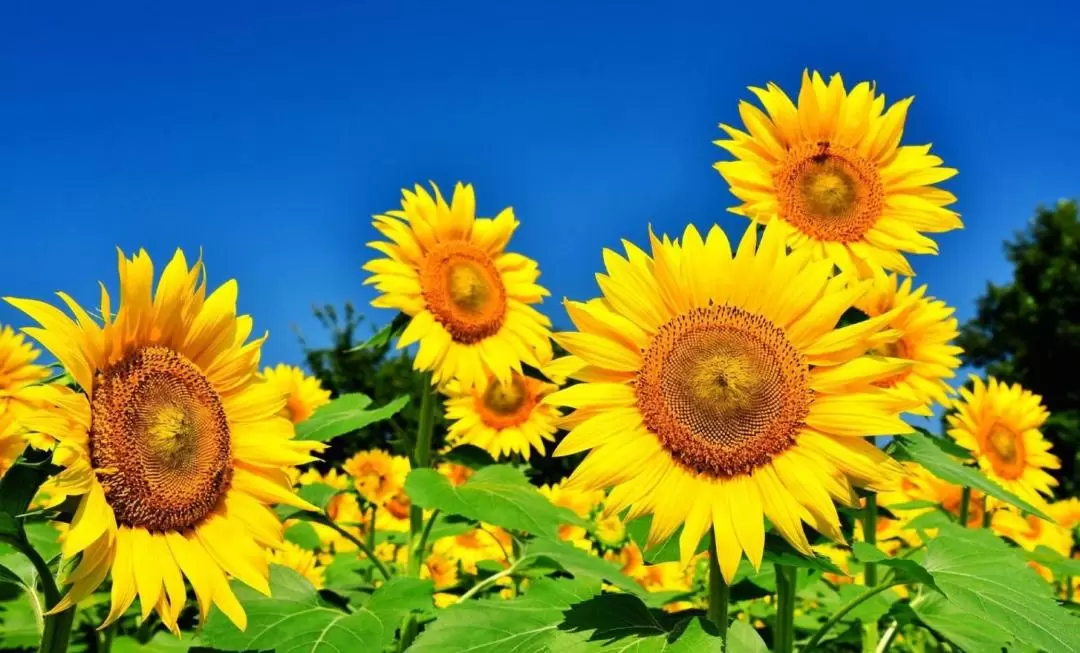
304,393
917,485
832,171
441,569
378,475
468,298
926,329
477,545
502,418
300,560
17,370
584,503
1000,425
12,442
717,391
176,448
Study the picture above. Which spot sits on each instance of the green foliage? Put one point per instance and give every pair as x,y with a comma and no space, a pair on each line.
19,628
1027,330
621,622
294,619
905,569
743,638
346,414
499,495
923,450
960,627
578,563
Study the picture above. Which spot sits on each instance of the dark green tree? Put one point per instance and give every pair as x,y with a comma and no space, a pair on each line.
1028,330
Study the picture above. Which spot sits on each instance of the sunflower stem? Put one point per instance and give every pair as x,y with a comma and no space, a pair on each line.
57,627
843,611
719,594
360,544
986,512
421,458
870,629
965,500
784,638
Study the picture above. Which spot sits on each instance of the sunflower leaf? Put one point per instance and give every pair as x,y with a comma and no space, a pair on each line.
904,568
383,336
960,627
318,494
20,627
161,642
620,622
498,494
295,619
918,448
982,576
579,563
528,623
1057,563
346,414
742,637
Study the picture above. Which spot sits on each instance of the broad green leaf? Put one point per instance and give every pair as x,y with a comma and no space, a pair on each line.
11,574
44,538
904,568
742,638
779,552
18,486
384,335
579,563
499,495
294,619
921,449
981,575
18,625
620,622
318,494
869,610
449,526
161,642
528,624
344,571
469,455
1057,563
345,414
303,535
962,628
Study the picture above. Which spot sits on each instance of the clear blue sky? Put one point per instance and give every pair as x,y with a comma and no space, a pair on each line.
266,133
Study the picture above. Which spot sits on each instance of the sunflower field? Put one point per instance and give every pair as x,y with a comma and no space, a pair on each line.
735,411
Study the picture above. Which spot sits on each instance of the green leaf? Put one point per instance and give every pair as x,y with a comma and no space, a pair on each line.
470,456
499,495
318,494
18,625
904,568
962,628
742,638
778,551
579,563
981,575
1057,563
449,526
384,335
344,571
529,623
666,551
921,449
161,642
346,414
620,622
303,535
294,619
18,486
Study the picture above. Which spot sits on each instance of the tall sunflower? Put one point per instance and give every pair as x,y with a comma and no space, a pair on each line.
468,298
926,330
717,390
18,371
173,447
502,418
1000,424
12,442
303,393
832,171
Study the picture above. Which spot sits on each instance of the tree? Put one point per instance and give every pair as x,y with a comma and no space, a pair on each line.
1028,331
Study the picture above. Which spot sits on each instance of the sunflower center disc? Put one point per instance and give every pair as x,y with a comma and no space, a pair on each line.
1006,451
505,404
159,439
723,389
829,192
464,291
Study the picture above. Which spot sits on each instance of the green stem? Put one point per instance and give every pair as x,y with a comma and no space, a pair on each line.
371,535
57,628
965,500
887,639
409,629
842,612
488,582
107,638
421,458
359,544
422,545
870,628
146,629
986,512
719,593
784,638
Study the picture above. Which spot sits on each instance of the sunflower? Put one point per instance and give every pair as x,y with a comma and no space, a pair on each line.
455,473
1000,424
173,447
378,475
1065,512
502,418
717,390
919,485
1030,532
12,442
442,569
344,508
17,370
304,393
610,531
831,170
926,329
300,560
477,545
469,300
584,503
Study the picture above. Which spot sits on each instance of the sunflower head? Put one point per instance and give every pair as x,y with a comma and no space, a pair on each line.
468,299
302,561
377,475
717,390
1000,425
18,371
12,442
303,393
173,446
924,331
503,418
832,171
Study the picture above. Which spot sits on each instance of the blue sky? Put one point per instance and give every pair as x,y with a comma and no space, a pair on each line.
266,133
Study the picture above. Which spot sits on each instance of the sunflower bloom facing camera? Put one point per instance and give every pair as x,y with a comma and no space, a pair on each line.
1000,424
716,391
502,418
303,393
468,299
174,447
832,171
